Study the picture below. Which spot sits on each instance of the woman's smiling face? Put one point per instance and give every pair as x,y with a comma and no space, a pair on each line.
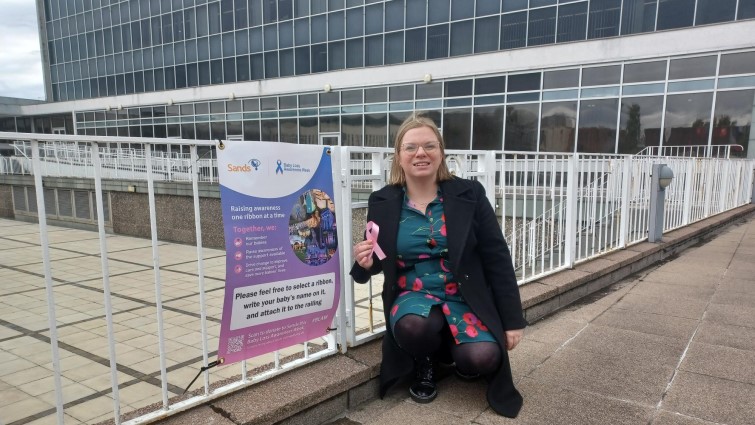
420,154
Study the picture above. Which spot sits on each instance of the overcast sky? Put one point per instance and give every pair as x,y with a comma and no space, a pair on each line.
20,60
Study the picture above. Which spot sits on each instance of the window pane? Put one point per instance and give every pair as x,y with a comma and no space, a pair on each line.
488,128
692,67
687,118
286,62
486,34
438,11
514,30
572,19
597,126
355,22
269,130
336,53
301,31
457,124
308,133
733,119
437,41
461,38
646,71
271,64
561,79
559,119
542,26
638,16
712,11
319,27
373,47
601,75
373,20
675,13
354,53
415,13
351,130
285,34
289,131
490,85
461,9
394,12
604,18
375,130
521,127
746,10
335,26
394,47
319,58
524,82
737,63
415,45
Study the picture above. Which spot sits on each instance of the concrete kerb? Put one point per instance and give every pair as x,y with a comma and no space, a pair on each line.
352,378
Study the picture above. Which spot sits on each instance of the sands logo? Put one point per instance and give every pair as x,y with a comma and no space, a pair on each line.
245,168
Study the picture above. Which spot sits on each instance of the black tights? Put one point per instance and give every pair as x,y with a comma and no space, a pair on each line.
423,336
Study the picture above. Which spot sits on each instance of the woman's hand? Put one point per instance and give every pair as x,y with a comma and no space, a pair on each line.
513,337
363,254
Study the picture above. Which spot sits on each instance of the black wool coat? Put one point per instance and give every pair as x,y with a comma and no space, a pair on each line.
481,264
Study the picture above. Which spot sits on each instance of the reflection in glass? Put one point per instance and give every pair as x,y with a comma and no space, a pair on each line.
457,124
733,120
308,131
746,10
461,38
687,119
601,75
557,125
521,127
560,79
604,18
675,13
571,22
289,129
269,131
514,30
644,71
394,122
488,128
351,130
737,63
486,34
437,41
712,11
415,45
597,126
542,26
704,66
375,130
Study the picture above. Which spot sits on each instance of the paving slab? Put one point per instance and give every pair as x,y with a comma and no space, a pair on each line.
672,418
681,307
726,335
731,314
557,405
712,399
723,362
640,347
651,323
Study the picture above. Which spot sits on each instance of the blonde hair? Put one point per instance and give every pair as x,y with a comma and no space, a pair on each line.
416,120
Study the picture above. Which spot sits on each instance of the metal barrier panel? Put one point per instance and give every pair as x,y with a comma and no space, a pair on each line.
153,320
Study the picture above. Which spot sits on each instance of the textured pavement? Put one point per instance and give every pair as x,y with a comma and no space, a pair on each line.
671,345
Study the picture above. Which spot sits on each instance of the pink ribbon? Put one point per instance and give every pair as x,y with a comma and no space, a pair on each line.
372,235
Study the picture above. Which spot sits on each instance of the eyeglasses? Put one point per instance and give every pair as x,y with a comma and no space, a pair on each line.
428,147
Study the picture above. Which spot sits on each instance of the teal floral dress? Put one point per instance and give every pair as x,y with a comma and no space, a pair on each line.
425,279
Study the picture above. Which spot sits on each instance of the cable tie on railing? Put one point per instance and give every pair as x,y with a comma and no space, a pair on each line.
331,329
221,146
202,370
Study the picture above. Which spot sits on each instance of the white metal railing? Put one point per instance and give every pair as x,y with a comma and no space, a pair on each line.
556,209
697,151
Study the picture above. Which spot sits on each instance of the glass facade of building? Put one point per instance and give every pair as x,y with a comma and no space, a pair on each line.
607,108
100,48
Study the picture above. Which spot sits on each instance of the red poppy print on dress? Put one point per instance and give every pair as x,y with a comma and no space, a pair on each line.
394,310
470,318
446,310
482,327
471,331
451,288
443,230
417,285
454,330
402,282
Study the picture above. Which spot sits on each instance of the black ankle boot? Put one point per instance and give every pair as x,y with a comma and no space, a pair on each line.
424,389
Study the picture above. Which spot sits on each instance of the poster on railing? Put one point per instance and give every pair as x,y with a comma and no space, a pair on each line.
282,258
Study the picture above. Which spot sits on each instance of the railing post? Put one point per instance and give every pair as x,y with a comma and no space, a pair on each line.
725,183
688,182
752,184
487,165
571,212
708,187
661,177
625,189
342,193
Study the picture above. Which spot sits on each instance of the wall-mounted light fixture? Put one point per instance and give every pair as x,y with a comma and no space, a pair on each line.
427,78
231,96
170,102
107,108
120,107
327,88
